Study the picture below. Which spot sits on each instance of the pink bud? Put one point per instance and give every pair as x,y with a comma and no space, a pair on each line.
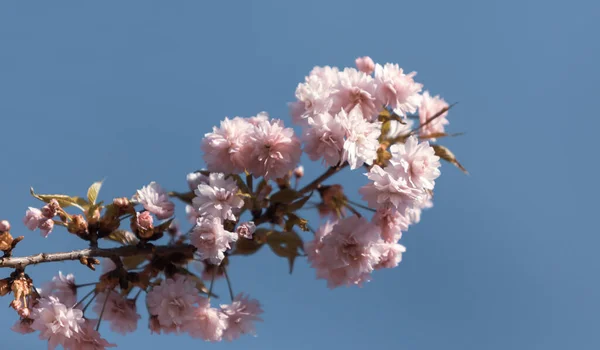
246,229
299,171
51,209
46,226
4,226
365,64
145,221
32,218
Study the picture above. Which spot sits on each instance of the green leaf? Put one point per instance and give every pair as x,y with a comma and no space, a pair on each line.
123,236
286,245
132,262
447,155
297,205
184,197
63,200
92,193
245,246
295,220
163,226
284,196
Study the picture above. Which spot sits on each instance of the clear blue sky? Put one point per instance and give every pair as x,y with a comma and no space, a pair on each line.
507,259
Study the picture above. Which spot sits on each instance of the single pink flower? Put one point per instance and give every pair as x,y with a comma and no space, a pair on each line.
356,90
32,218
275,150
315,96
119,311
144,220
23,326
62,287
397,90
219,198
173,302
347,255
56,322
430,106
241,315
225,148
155,200
246,229
419,161
365,64
51,209
324,138
390,185
209,323
361,142
211,239
46,226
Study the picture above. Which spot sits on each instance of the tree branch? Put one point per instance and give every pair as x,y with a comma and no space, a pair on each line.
21,262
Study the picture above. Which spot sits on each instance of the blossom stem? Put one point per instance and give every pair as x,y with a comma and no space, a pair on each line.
103,307
86,285
85,297
89,303
228,283
327,174
361,206
212,282
354,211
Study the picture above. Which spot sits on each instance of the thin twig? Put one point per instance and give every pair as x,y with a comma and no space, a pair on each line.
212,282
103,307
327,174
228,283
85,297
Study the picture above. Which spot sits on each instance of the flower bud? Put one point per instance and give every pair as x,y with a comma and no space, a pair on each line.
78,225
299,171
121,203
246,229
51,209
4,226
46,226
365,64
144,222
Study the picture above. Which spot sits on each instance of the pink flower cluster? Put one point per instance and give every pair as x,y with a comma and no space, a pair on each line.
155,200
176,306
262,146
42,219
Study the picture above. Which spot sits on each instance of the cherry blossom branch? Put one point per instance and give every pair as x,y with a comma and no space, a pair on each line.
327,174
21,262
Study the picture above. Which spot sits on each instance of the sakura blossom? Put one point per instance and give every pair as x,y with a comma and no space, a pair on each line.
324,138
226,148
196,179
361,143
56,322
430,107
241,315
88,339
356,89
246,229
396,89
419,161
390,185
46,226
119,311
208,324
155,200
191,214
391,255
219,197
212,239
391,222
365,64
23,326
275,150
173,302
63,288
32,218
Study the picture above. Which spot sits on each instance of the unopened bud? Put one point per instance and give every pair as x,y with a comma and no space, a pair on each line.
93,219
46,226
121,203
144,223
77,225
299,171
51,209
4,226
246,229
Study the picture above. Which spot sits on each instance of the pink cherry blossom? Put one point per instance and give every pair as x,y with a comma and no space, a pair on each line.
324,137
241,315
155,200
419,161
430,106
361,142
89,339
397,90
414,214
356,90
246,229
391,222
211,239
218,197
196,179
62,287
259,118
275,150
390,185
46,226
225,148
391,255
51,209
329,75
173,302
313,248
348,253
56,322
365,64
144,220
119,311
209,323
315,97
32,218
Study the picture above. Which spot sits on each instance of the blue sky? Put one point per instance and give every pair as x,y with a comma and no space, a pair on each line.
507,258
